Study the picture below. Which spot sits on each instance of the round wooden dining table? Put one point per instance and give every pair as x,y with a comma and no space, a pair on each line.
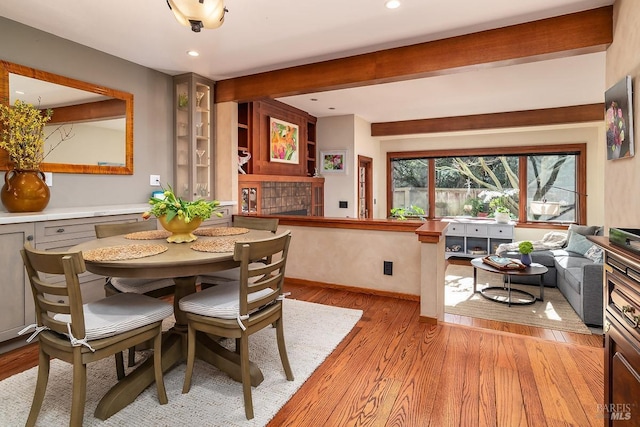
184,265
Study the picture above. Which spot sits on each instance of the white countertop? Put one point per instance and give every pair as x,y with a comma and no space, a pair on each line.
79,212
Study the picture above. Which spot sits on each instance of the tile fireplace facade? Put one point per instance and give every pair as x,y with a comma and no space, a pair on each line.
286,198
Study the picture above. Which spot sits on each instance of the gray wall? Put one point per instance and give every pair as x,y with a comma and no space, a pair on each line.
152,129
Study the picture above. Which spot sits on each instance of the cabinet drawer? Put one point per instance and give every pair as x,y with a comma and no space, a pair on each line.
83,228
455,230
476,230
501,231
623,303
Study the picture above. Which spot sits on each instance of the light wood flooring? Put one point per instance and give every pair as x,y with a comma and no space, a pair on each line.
392,370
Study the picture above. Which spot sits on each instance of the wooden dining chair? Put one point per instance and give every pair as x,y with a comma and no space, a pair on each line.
114,285
233,274
83,333
240,309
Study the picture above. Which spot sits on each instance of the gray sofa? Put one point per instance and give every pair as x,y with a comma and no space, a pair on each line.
576,270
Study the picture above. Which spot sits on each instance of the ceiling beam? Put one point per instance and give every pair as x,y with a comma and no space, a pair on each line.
563,36
545,116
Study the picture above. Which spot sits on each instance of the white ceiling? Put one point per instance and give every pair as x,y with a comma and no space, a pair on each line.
263,35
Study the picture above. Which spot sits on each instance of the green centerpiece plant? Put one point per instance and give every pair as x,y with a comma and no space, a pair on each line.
181,217
525,248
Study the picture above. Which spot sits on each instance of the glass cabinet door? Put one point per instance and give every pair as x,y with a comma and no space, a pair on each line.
194,132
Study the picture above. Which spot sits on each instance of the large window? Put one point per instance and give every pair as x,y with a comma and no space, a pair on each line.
544,185
410,183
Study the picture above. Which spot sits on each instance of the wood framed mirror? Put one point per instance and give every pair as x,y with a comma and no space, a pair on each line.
99,119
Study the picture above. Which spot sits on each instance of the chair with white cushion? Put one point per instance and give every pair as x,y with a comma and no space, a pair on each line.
233,274
114,285
239,309
151,287
80,334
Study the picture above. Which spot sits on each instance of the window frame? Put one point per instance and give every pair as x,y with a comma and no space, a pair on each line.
579,150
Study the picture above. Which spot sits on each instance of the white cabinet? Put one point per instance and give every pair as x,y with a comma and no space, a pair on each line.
469,239
16,304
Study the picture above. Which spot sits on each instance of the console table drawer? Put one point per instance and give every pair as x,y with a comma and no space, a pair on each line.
501,231
476,230
456,230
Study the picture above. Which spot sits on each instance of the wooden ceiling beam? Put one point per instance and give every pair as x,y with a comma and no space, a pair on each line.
563,36
545,116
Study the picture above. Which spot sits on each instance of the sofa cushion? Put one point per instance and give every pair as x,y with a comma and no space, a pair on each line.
595,254
578,244
585,230
569,266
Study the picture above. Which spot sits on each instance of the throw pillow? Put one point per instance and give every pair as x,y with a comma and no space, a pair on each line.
594,253
578,244
583,230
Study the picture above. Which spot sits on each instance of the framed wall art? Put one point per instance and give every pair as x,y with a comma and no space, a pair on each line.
283,141
619,120
334,161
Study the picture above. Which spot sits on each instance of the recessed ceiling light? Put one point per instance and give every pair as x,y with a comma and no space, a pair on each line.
392,4
192,53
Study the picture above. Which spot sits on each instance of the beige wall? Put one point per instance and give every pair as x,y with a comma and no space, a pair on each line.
622,177
355,258
338,133
152,102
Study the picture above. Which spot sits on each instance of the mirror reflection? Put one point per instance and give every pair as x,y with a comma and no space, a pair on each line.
98,119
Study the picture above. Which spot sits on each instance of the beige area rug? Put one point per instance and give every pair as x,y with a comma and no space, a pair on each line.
552,313
312,332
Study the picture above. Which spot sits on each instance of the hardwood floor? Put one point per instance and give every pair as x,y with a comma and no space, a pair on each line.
393,370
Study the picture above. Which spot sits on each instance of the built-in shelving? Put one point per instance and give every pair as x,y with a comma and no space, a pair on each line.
193,144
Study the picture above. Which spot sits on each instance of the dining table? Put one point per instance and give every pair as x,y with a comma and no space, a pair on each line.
184,264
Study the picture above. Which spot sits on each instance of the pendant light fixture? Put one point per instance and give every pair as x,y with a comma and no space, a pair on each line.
198,14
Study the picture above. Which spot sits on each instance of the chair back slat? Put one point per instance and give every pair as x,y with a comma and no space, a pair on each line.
51,296
115,229
254,223
270,275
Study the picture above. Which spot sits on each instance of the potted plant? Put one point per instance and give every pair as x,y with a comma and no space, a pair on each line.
525,248
23,139
502,214
474,206
180,217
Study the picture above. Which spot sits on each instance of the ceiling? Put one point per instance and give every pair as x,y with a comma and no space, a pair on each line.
265,35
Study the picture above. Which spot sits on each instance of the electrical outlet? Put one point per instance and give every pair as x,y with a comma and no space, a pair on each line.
154,180
388,268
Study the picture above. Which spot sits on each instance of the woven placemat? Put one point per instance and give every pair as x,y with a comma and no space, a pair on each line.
220,231
225,244
117,253
148,235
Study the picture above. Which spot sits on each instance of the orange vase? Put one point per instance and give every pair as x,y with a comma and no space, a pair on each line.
24,191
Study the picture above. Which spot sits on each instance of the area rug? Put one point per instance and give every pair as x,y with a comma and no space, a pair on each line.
312,332
552,313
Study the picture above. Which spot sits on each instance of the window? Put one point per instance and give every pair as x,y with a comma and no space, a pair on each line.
470,185
551,188
409,186
536,185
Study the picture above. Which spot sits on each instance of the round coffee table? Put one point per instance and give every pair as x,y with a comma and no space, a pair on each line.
533,270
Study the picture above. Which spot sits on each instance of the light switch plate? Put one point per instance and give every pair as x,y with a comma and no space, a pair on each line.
48,178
